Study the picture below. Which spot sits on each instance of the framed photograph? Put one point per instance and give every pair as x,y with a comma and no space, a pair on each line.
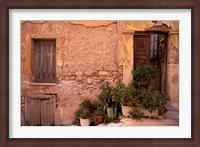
108,73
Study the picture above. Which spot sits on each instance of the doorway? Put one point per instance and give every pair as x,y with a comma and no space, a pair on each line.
151,48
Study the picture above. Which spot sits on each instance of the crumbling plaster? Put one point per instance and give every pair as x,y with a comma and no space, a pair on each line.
127,54
88,53
86,57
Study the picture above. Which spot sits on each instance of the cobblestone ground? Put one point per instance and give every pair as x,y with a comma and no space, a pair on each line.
171,118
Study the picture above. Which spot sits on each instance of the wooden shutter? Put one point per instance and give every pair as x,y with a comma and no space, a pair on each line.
141,49
44,61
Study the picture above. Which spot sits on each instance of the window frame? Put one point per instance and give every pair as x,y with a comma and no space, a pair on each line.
43,81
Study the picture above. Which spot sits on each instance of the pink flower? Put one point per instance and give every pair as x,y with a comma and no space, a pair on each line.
138,101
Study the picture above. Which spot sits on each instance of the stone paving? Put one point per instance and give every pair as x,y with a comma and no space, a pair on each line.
171,118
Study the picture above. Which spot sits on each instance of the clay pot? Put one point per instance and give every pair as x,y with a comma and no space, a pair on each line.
84,122
99,120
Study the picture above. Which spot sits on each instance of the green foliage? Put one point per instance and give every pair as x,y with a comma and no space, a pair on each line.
85,115
144,76
136,114
109,120
144,80
85,111
153,101
99,111
123,94
106,95
86,104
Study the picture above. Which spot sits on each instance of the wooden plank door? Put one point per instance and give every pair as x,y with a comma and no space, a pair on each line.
141,49
40,111
151,48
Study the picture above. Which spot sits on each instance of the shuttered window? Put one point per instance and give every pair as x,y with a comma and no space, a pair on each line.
44,60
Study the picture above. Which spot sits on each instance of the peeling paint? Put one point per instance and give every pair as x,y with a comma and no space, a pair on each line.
92,23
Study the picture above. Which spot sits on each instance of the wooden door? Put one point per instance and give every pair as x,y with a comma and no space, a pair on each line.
39,110
141,49
150,48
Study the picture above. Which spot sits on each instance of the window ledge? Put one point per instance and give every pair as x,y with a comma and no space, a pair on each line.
43,84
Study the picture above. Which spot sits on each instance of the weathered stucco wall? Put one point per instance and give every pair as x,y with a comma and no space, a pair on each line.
172,81
173,67
86,56
88,53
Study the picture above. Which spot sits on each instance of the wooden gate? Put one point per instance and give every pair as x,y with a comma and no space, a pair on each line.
39,110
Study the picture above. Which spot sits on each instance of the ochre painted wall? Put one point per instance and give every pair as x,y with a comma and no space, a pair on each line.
172,81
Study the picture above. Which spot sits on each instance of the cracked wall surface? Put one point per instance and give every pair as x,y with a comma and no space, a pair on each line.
86,57
88,54
173,67
172,81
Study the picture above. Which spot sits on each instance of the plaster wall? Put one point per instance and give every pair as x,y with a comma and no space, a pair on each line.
88,54
86,57
172,81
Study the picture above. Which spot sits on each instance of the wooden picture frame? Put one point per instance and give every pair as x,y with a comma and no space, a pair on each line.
89,4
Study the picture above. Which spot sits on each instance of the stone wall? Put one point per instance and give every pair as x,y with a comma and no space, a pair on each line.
86,57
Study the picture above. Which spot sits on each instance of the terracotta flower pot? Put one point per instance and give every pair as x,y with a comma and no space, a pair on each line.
84,122
99,120
126,110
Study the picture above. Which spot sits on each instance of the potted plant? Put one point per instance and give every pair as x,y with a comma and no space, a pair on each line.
99,114
148,98
106,98
84,113
85,118
125,95
87,105
153,102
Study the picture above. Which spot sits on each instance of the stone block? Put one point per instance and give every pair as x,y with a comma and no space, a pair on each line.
103,73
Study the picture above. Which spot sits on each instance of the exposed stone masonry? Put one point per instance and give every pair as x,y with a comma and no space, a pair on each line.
88,54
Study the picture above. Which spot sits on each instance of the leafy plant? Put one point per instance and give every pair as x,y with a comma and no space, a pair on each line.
85,111
106,95
85,115
153,101
136,114
109,120
144,76
99,111
87,105
125,94
147,94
